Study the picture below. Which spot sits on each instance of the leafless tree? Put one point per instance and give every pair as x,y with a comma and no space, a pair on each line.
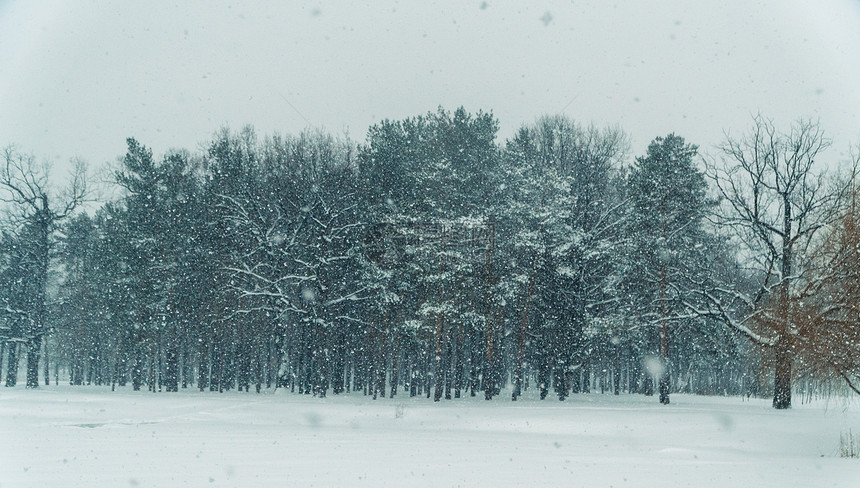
775,200
32,205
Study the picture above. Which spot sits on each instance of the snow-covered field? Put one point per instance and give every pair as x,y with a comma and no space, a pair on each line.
91,437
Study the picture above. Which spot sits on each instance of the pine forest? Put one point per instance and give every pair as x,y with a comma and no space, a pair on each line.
432,259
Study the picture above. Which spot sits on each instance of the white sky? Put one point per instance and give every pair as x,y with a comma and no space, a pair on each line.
77,78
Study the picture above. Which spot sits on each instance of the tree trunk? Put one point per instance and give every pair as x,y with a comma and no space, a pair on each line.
664,358
415,376
488,370
34,347
438,372
449,364
782,369
12,365
664,337
338,339
475,355
648,384
782,375
118,370
47,367
395,363
521,340
428,374
457,360
171,361
136,368
203,353
381,360
488,373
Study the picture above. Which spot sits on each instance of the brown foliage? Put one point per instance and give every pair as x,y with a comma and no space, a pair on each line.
826,313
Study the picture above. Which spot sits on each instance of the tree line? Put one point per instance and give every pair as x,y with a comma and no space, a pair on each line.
433,260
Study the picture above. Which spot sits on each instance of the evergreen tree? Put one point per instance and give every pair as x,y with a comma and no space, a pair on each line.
431,197
669,202
565,222
86,334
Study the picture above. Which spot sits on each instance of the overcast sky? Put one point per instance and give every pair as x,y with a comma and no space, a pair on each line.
78,77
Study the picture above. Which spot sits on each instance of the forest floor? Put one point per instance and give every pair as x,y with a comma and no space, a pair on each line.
91,437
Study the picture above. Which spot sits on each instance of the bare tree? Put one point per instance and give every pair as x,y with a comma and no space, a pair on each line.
35,209
774,201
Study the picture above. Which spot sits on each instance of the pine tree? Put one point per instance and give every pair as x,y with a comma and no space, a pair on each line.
565,217
430,198
668,196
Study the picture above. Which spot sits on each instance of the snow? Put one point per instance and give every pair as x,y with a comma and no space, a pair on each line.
92,437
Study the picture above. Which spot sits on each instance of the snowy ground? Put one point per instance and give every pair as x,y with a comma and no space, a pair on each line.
91,437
